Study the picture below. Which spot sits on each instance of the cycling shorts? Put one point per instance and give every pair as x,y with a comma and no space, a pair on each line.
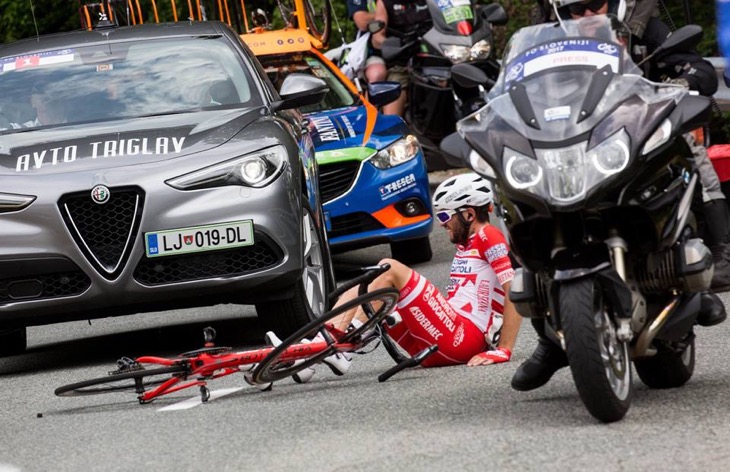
429,319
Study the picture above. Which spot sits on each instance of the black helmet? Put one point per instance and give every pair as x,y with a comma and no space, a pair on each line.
616,8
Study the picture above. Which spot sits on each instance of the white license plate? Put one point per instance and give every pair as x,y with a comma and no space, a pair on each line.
199,238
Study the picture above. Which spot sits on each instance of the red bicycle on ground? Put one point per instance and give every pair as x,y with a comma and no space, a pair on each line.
151,377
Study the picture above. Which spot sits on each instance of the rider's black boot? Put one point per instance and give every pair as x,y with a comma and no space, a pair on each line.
712,310
717,237
547,359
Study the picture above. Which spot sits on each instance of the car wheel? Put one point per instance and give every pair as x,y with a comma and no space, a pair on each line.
412,251
13,341
310,299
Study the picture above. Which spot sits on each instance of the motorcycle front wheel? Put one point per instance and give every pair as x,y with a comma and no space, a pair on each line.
600,364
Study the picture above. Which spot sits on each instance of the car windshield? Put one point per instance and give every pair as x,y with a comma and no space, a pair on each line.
278,67
121,80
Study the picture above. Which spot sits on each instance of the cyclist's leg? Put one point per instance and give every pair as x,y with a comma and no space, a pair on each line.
429,319
395,277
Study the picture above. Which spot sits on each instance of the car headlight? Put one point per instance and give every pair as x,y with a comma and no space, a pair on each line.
12,202
456,53
566,174
397,153
660,136
257,170
480,50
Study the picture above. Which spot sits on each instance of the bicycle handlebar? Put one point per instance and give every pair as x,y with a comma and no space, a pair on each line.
410,362
371,272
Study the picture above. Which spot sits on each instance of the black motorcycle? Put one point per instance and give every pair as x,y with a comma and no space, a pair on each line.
461,32
591,169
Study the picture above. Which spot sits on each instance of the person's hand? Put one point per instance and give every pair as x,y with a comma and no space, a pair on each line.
496,356
683,82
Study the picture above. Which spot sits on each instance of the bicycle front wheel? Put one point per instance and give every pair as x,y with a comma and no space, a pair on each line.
133,380
319,19
380,302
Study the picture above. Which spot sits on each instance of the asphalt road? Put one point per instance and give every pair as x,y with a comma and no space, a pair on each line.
454,418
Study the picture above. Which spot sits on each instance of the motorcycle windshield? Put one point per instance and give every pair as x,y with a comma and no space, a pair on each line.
559,82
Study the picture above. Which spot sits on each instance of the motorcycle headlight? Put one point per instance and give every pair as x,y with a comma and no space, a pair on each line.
660,136
521,171
12,202
456,53
397,153
612,155
480,50
257,170
571,171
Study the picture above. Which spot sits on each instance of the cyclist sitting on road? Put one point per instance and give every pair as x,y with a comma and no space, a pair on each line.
475,323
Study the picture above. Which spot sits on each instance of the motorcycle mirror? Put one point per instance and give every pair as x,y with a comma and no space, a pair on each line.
391,48
382,93
375,26
685,38
455,150
468,76
493,13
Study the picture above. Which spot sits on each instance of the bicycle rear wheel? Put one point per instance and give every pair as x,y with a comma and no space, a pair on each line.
134,380
319,19
273,368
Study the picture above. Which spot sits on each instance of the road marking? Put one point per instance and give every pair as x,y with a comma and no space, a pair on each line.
9,468
195,401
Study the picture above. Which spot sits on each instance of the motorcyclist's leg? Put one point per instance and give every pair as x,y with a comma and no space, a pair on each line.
398,74
716,216
375,70
547,359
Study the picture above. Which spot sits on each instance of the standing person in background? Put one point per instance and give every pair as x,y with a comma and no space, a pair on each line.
362,12
405,19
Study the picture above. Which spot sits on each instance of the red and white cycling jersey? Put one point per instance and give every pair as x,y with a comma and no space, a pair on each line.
469,321
478,272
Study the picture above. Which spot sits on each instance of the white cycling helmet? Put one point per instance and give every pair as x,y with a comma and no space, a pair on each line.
615,7
460,191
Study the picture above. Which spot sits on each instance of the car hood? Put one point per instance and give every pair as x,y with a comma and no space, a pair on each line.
352,127
92,146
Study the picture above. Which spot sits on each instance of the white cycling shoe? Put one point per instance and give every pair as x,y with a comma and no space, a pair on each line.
339,363
304,375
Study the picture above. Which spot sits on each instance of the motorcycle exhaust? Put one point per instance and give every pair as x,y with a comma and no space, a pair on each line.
672,324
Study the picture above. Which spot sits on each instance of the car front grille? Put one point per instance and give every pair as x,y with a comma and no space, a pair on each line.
204,265
61,284
104,232
336,178
353,223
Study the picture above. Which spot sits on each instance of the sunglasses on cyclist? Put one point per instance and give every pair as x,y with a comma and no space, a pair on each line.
446,215
592,5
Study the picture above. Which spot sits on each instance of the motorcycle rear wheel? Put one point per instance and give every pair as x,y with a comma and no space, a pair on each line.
668,369
600,364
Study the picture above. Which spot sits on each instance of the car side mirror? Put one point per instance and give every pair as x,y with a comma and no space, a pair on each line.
375,26
382,93
300,90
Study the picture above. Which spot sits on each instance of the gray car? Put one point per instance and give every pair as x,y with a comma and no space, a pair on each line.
152,167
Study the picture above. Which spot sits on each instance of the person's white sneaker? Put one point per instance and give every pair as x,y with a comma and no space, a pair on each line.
304,375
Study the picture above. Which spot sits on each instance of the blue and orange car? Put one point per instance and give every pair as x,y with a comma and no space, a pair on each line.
372,171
